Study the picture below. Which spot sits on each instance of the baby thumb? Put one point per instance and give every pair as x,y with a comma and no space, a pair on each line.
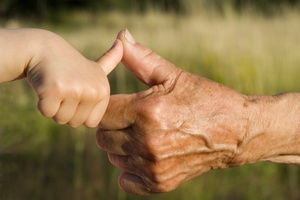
110,59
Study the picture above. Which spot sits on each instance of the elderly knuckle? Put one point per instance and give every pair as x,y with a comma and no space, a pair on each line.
155,173
156,152
158,179
163,187
154,111
158,145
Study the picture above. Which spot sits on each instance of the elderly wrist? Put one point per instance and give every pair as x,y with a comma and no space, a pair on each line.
254,146
272,130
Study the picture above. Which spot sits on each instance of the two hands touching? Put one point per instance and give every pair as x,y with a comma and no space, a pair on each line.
182,126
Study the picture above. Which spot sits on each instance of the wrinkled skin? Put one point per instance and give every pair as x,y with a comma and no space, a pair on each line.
181,127
185,125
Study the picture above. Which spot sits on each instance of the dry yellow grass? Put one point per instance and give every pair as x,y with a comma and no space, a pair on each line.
251,53
248,52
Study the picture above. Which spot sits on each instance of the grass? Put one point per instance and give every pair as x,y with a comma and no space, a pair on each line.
248,52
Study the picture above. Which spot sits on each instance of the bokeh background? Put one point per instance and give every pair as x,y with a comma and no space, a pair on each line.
252,46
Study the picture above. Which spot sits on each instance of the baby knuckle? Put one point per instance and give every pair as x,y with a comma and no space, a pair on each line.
64,91
60,121
74,124
91,124
103,91
91,94
57,88
97,93
46,111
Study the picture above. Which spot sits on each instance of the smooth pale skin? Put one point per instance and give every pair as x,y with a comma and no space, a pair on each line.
71,89
185,125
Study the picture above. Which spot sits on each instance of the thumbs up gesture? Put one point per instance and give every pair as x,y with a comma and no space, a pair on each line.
181,127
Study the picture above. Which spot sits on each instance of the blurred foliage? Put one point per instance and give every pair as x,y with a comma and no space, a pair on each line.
48,9
41,10
251,46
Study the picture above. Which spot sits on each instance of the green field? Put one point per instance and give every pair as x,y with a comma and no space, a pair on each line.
249,52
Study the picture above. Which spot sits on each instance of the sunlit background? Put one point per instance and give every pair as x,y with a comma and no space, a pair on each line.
252,46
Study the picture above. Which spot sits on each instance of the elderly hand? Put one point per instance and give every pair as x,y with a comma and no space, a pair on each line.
185,125
181,127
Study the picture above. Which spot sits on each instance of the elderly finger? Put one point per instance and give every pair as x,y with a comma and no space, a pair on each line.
118,142
133,184
145,64
120,113
134,164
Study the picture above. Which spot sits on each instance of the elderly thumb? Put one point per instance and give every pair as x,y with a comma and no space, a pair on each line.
145,64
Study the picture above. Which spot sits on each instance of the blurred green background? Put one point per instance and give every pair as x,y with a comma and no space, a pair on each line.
252,46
